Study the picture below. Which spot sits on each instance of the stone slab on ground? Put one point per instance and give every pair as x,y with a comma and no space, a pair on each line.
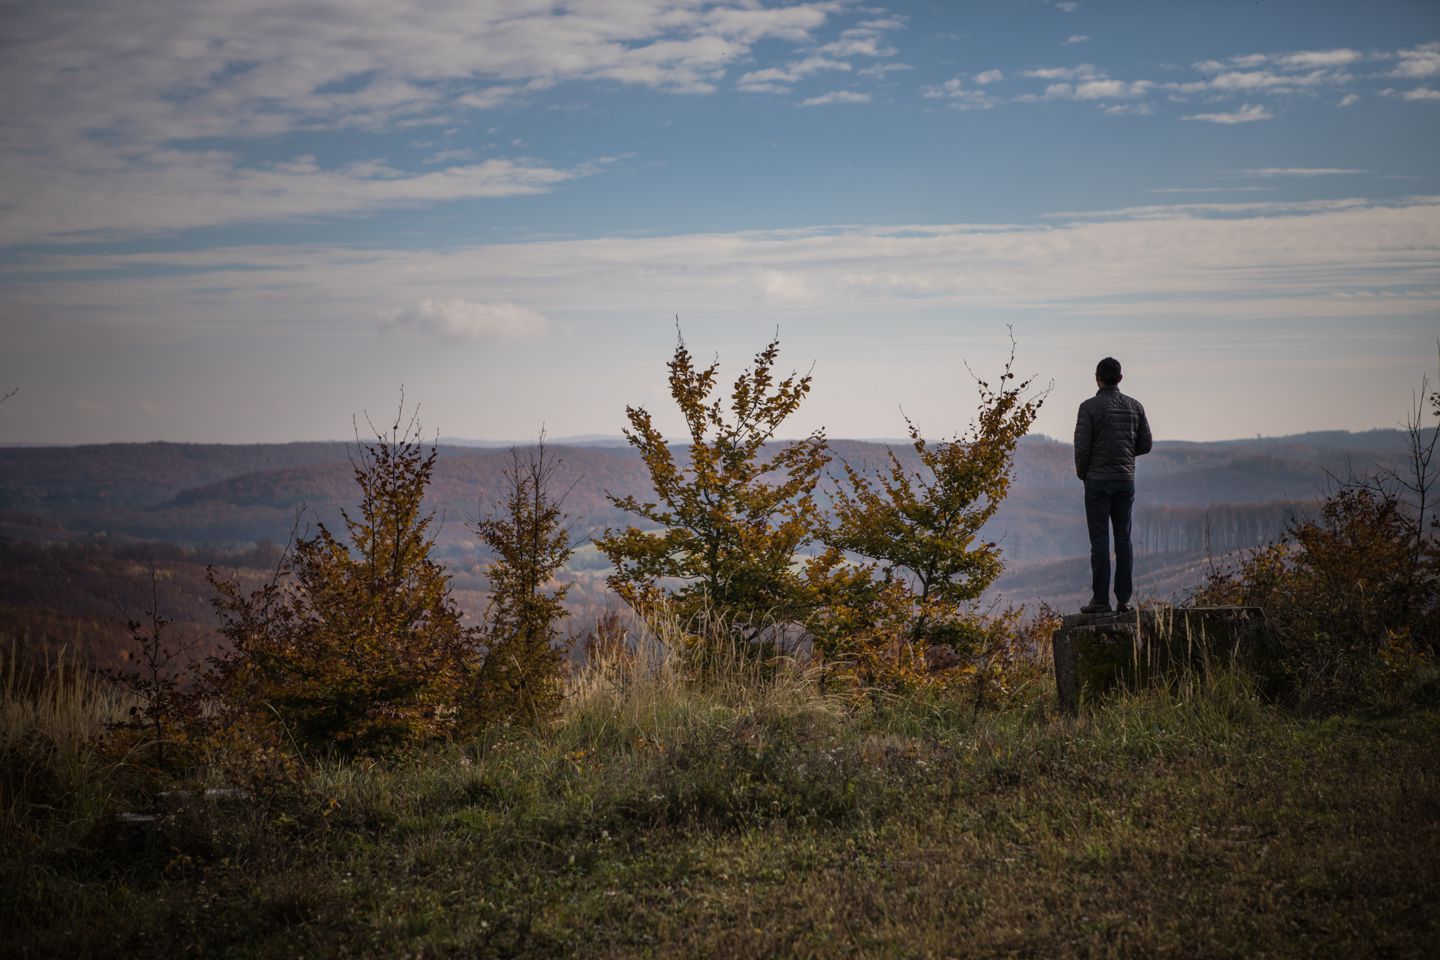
1095,653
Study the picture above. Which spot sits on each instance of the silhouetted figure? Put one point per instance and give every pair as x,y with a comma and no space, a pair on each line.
1110,432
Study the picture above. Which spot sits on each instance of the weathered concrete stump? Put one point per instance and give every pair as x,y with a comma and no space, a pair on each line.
1095,653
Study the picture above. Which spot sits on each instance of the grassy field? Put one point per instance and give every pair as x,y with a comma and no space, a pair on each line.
750,817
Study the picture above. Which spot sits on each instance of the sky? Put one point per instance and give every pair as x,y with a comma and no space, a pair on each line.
252,220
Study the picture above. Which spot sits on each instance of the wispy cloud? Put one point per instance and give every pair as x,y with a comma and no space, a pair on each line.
836,96
780,79
1418,63
882,69
177,190
1074,38
1128,110
1249,113
1099,89
1251,78
1299,171
467,320
1161,260
960,97
105,106
488,98
1238,189
989,76
1084,71
1084,82
1170,211
1303,60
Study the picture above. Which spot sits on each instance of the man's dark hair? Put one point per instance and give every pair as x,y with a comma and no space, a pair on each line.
1107,371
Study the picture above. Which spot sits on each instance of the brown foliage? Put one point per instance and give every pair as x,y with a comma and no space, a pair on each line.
1353,607
924,563
733,517
357,646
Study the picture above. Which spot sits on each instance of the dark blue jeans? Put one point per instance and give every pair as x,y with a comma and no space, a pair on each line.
1108,503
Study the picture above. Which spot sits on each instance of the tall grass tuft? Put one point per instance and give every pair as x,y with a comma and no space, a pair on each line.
671,677
52,726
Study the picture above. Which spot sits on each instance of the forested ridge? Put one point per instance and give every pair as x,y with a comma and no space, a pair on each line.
80,526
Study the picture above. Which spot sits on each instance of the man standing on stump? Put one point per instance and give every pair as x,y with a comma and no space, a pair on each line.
1110,432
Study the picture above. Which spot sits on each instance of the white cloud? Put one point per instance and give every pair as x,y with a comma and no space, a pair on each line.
1349,100
177,190
857,46
989,76
1418,62
1068,6
1298,171
488,98
1187,260
1245,189
1249,113
1293,60
882,70
447,156
1075,38
1084,71
468,320
1129,110
1271,73
1248,81
836,96
104,100
776,79
1311,59
958,96
1421,93
1099,89
786,287
1170,211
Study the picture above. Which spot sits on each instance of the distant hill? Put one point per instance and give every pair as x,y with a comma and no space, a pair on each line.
580,440
122,505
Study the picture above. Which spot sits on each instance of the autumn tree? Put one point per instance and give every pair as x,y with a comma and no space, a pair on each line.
355,645
520,678
728,520
917,532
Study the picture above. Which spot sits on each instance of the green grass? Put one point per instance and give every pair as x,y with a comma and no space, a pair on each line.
756,817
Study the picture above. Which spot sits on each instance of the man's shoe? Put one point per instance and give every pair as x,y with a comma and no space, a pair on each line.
1095,608
1124,608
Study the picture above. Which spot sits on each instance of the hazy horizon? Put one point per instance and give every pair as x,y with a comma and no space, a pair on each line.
618,440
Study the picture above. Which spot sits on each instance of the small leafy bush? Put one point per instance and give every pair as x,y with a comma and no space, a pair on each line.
1353,608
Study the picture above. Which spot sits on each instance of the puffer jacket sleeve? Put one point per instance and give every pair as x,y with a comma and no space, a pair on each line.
1143,440
1084,442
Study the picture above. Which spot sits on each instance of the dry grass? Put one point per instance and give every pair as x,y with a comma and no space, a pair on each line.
52,723
697,801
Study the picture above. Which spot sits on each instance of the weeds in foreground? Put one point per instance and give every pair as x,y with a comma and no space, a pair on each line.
727,804
53,721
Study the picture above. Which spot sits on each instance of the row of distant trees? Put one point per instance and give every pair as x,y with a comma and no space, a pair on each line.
356,642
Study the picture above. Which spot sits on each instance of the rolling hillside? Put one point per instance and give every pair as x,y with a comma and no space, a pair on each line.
79,526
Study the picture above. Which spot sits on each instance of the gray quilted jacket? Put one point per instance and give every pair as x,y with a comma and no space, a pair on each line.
1110,432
